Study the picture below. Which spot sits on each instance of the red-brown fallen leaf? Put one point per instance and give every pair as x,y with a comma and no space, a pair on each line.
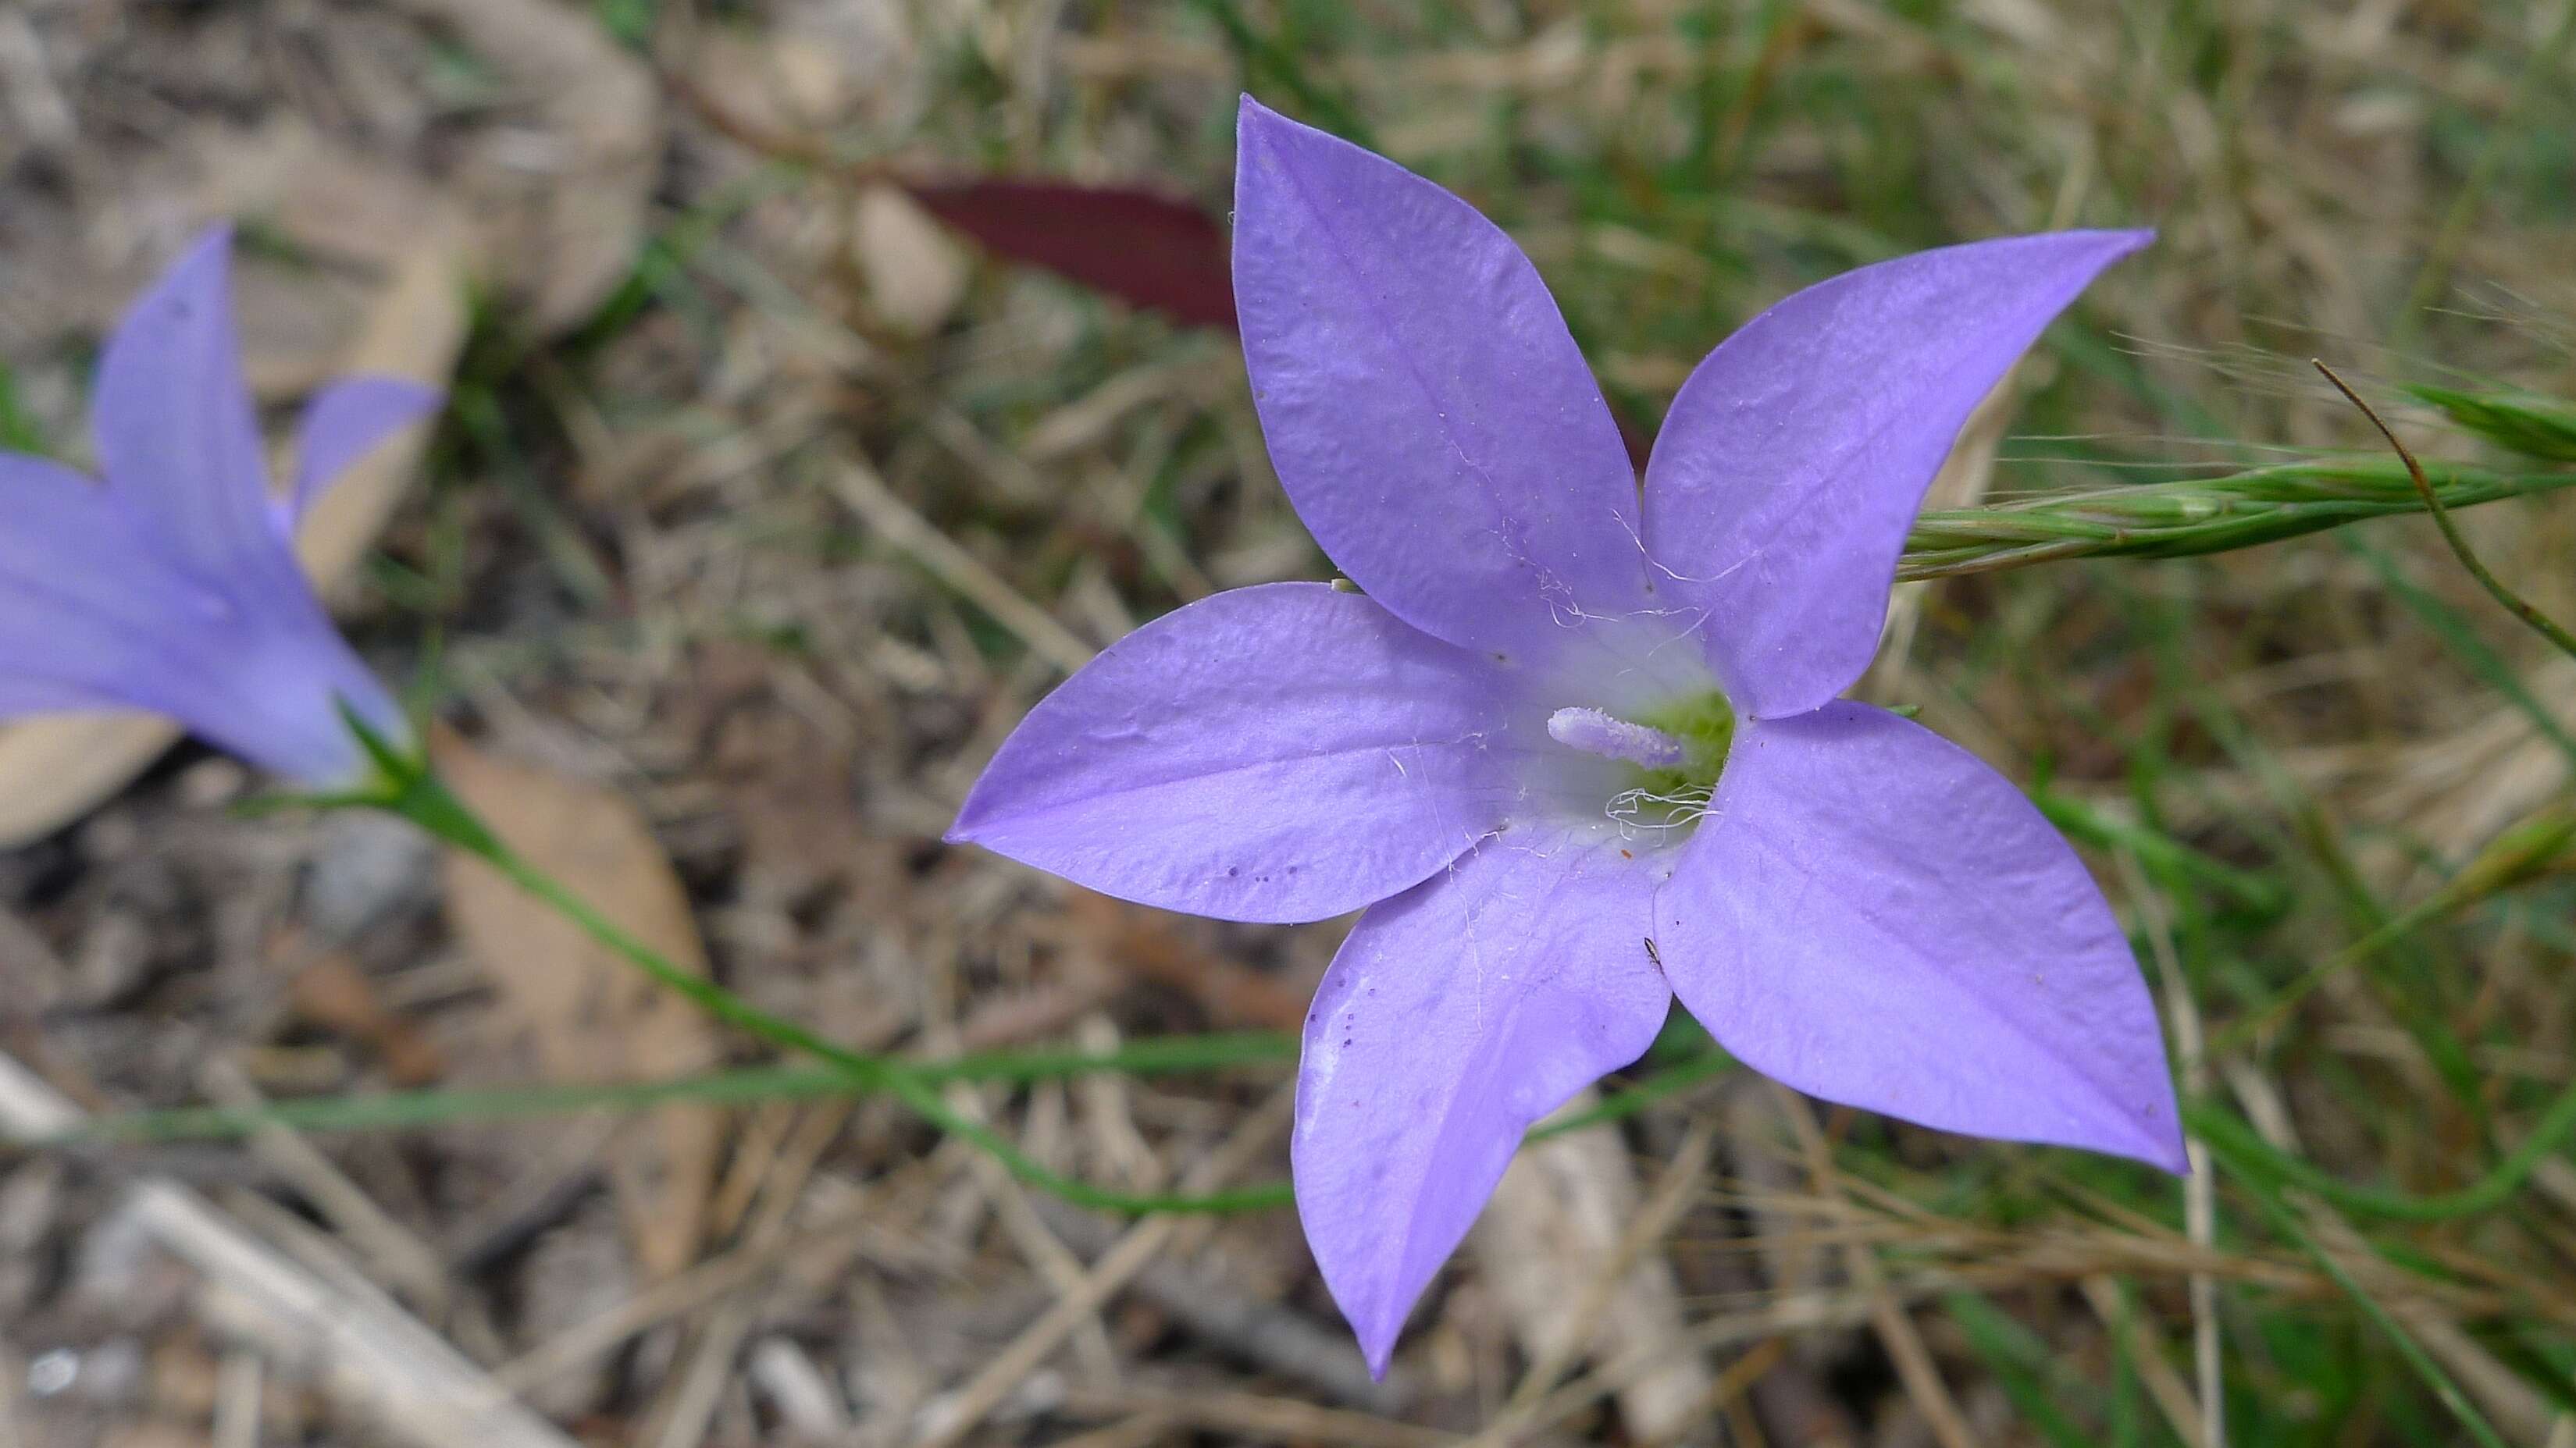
1140,247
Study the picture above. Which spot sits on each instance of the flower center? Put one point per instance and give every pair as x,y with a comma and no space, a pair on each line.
1677,752
1596,731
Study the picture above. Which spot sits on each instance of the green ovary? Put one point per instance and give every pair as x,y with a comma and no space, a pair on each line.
1674,797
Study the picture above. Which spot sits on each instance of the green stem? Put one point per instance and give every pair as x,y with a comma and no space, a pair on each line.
2445,1390
419,796
416,794
400,1109
404,785
750,1086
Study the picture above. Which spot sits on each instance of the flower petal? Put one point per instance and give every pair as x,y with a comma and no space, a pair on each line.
1793,460
1456,1015
1873,916
1426,409
95,614
1280,753
69,544
343,423
176,434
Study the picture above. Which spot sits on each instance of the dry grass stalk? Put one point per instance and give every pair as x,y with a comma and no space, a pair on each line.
373,1359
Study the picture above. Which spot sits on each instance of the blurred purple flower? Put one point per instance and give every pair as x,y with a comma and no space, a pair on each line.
172,586
1580,753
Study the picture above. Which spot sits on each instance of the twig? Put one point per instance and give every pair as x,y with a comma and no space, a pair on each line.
953,1420
370,1355
1137,1430
862,492
1044,1251
2172,1397
692,1404
405,1260
1724,1394
1605,1282
2514,603
1249,1415
828,1242
1785,1316
237,1398
1887,1316
1204,1297
2200,1189
700,1390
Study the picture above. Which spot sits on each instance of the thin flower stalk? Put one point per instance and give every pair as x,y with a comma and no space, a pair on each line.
2513,603
405,786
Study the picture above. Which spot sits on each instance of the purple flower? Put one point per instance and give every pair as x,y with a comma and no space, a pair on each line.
1578,751
172,587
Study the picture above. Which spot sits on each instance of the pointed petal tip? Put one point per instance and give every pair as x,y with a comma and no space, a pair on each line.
203,267
1377,1324
1251,115
973,823
1258,127
2150,1137
215,235
2142,1145
206,256
2126,241
394,401
2172,1155
410,390
1251,120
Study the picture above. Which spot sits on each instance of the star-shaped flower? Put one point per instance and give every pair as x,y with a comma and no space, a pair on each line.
172,586
1577,750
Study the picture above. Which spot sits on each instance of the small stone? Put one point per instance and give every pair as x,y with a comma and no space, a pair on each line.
366,867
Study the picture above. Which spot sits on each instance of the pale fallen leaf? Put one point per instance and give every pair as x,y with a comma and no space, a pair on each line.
916,273
594,1017
1555,1220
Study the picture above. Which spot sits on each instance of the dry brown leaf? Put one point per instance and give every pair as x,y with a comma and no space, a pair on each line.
592,1016
55,769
